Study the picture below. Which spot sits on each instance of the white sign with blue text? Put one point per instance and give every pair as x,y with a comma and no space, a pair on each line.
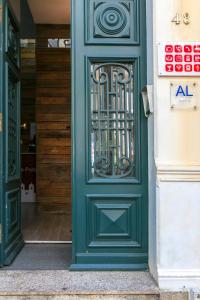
184,95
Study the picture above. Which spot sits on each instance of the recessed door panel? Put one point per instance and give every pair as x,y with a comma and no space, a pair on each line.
113,221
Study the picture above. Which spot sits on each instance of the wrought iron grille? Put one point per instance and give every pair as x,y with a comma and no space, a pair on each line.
12,126
13,40
112,120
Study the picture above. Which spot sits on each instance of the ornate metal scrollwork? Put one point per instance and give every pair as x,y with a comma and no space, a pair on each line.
12,126
112,120
13,40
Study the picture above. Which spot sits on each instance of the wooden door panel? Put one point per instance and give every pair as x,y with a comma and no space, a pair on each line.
109,135
10,184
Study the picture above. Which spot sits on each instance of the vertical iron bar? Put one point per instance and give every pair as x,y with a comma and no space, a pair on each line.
94,107
130,112
125,108
117,123
133,111
108,117
112,106
99,115
121,123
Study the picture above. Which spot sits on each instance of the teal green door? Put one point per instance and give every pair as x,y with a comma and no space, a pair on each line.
110,205
10,220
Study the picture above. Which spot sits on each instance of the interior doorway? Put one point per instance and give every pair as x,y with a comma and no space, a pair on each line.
46,122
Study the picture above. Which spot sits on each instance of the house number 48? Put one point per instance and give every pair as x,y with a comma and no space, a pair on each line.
185,18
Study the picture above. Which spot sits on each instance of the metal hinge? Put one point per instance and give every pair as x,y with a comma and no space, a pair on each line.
1,122
0,233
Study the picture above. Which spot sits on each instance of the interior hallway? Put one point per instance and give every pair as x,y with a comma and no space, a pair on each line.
44,226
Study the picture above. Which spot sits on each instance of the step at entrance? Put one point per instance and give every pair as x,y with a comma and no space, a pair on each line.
81,297
63,296
57,285
66,285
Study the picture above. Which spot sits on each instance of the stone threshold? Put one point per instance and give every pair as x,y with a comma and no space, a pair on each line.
76,283
66,285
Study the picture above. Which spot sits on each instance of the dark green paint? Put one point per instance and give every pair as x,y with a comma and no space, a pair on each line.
10,185
110,215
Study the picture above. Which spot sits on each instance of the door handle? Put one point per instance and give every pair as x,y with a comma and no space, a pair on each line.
147,97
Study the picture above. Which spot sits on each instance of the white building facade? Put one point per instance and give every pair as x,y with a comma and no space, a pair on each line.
174,238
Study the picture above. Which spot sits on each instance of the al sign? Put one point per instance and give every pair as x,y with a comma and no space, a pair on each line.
183,91
184,95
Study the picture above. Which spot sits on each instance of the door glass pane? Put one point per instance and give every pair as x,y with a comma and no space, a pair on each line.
112,120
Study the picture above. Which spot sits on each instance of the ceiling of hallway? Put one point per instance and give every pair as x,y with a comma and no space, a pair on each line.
50,11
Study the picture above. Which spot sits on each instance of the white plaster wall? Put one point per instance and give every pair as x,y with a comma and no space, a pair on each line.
179,235
177,156
177,202
177,134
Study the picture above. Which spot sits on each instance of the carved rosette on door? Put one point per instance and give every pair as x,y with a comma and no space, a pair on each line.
111,22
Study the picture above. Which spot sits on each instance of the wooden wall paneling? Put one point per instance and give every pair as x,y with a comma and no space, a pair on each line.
53,117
